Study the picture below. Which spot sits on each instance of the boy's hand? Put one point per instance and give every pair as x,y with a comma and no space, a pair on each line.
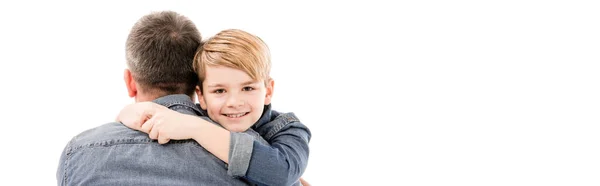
304,183
134,115
166,124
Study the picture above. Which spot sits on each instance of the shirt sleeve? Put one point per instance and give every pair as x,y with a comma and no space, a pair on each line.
281,162
240,151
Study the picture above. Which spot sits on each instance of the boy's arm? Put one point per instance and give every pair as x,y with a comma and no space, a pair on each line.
164,124
280,163
304,182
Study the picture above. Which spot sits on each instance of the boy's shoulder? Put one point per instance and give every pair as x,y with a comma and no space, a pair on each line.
284,117
278,121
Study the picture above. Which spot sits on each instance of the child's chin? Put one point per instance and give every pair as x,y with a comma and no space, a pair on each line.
235,128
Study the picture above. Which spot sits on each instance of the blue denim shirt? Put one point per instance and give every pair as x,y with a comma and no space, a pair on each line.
280,162
113,154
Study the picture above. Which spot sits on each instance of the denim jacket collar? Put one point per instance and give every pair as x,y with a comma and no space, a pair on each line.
179,101
266,116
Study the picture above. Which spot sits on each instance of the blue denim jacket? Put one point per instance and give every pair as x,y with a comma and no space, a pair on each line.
113,154
280,162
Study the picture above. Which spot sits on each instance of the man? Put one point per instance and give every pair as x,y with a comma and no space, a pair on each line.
160,49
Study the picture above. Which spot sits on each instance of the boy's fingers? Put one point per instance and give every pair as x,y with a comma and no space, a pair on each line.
153,134
145,115
148,125
139,122
162,140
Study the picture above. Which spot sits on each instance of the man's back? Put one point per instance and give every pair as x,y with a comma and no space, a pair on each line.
113,154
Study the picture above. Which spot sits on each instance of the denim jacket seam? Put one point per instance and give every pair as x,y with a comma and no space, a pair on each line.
176,107
176,104
184,104
119,142
66,163
275,130
286,119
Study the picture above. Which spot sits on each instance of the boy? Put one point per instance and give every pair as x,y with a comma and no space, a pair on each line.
235,91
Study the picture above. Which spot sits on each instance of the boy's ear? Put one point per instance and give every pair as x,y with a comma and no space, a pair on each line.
200,98
270,88
130,83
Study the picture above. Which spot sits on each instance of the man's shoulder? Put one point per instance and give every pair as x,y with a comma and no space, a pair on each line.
108,134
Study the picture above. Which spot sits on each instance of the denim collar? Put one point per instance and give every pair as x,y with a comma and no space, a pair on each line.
266,116
179,101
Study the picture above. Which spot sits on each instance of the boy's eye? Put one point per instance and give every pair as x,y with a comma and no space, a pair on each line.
219,91
248,89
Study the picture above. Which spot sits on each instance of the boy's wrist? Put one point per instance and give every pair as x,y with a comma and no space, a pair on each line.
198,127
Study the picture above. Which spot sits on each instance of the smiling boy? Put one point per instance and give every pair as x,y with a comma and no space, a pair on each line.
235,91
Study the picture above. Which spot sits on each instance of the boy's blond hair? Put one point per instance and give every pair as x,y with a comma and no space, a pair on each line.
235,49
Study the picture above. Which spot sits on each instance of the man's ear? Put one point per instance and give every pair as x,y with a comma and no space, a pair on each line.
270,88
200,98
130,83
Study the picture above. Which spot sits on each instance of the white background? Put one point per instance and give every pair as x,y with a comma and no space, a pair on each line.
411,93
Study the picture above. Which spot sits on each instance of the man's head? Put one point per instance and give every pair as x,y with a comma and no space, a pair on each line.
233,68
160,49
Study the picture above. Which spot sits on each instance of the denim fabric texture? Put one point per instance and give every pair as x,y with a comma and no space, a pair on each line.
113,154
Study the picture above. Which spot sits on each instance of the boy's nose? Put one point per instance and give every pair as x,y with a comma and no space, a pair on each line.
233,101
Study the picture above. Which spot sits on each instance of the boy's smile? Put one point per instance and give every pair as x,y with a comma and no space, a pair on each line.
238,115
232,98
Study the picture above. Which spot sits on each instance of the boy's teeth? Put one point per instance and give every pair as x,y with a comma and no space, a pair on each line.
235,115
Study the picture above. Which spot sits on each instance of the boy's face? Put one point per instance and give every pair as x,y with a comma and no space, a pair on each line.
232,98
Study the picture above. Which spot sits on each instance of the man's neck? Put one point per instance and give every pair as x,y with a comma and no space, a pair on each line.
146,97
142,98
